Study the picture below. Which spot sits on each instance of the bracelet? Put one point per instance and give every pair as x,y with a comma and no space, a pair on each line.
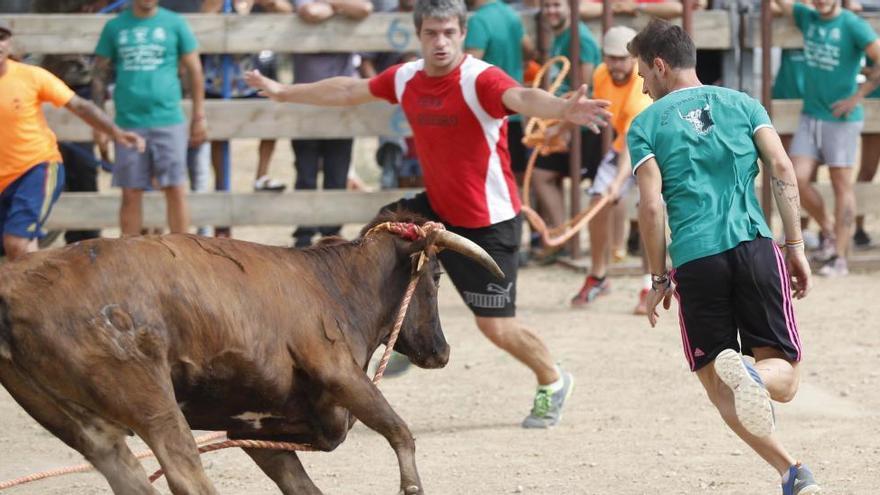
796,244
660,281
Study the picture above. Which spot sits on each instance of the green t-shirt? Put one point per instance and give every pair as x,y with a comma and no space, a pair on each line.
145,54
833,50
703,141
876,93
590,52
789,82
497,29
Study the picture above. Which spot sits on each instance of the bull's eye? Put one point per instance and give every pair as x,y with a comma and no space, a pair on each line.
437,278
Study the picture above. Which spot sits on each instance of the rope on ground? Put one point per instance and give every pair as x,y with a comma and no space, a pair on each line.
535,137
264,444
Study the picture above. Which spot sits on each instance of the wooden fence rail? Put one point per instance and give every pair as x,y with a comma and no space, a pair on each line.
96,210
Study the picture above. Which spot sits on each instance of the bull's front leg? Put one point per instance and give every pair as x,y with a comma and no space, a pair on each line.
351,389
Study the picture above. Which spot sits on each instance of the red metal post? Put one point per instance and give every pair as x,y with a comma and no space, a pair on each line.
574,164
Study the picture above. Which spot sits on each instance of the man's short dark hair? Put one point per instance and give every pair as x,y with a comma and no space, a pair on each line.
440,9
666,41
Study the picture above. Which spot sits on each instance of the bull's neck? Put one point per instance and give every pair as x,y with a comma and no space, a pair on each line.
379,276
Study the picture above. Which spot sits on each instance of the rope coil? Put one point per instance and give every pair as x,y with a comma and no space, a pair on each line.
535,138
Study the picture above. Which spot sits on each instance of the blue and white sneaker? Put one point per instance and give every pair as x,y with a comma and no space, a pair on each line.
751,398
800,481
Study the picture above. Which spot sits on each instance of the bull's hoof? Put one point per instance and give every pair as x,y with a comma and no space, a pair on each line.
411,490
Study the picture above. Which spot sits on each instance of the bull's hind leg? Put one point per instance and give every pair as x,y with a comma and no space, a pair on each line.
102,445
285,469
166,432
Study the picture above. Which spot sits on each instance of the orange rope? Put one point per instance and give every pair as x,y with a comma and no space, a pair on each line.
393,227
534,137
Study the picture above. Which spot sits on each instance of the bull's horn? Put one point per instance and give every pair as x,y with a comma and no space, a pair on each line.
461,245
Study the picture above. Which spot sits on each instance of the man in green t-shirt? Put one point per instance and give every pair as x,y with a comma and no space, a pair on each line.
145,44
835,40
551,169
696,149
495,34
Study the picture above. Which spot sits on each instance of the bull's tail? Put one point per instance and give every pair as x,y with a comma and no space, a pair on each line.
5,331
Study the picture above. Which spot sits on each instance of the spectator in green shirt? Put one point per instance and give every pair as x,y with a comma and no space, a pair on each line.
835,40
145,44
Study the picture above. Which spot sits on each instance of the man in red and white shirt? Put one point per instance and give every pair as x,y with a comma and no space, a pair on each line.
457,107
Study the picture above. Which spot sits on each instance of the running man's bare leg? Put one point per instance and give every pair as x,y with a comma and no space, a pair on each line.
811,200
844,207
522,343
768,447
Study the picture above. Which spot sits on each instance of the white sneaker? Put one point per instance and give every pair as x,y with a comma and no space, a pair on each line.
835,267
266,183
751,399
811,240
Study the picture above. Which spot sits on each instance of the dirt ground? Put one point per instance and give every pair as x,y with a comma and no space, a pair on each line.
637,423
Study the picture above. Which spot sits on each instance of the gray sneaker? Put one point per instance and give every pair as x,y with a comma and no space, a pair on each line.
547,408
751,399
800,481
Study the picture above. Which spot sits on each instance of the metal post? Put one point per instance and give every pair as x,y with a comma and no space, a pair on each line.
574,164
766,99
225,183
607,22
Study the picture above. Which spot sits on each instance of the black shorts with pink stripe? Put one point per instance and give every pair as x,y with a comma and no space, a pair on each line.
740,297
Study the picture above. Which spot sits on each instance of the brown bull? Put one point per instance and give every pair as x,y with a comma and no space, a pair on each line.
155,335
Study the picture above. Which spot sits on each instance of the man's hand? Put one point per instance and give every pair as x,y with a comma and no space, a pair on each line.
583,111
841,108
799,271
198,131
655,295
130,140
102,140
267,87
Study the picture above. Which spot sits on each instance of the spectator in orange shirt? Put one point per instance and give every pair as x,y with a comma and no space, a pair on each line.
616,80
31,172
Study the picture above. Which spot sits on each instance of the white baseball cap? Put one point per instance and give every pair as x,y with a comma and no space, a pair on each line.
615,40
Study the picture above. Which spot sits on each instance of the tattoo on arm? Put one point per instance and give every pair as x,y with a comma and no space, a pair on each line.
787,191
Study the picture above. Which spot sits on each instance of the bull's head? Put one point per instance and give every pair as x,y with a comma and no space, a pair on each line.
421,337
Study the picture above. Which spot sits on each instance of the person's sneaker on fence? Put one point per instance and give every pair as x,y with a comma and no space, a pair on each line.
861,239
549,400
268,184
835,267
593,287
751,399
798,480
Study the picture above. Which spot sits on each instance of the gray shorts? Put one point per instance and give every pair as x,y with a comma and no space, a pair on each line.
605,174
832,143
164,159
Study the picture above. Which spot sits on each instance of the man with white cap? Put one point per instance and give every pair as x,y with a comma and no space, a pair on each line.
617,81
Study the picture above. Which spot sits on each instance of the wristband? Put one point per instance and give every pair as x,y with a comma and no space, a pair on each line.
794,244
660,281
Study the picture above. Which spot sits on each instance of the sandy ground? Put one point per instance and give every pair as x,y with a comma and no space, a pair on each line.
638,421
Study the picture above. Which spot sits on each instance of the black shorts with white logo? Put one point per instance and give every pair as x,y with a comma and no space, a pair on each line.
483,293
742,292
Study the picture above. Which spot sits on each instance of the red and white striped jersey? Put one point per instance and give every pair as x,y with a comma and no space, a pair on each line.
459,124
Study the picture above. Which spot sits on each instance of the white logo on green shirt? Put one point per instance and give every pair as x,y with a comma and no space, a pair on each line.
700,119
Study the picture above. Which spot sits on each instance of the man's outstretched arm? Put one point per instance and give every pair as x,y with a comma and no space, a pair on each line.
332,92
576,108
